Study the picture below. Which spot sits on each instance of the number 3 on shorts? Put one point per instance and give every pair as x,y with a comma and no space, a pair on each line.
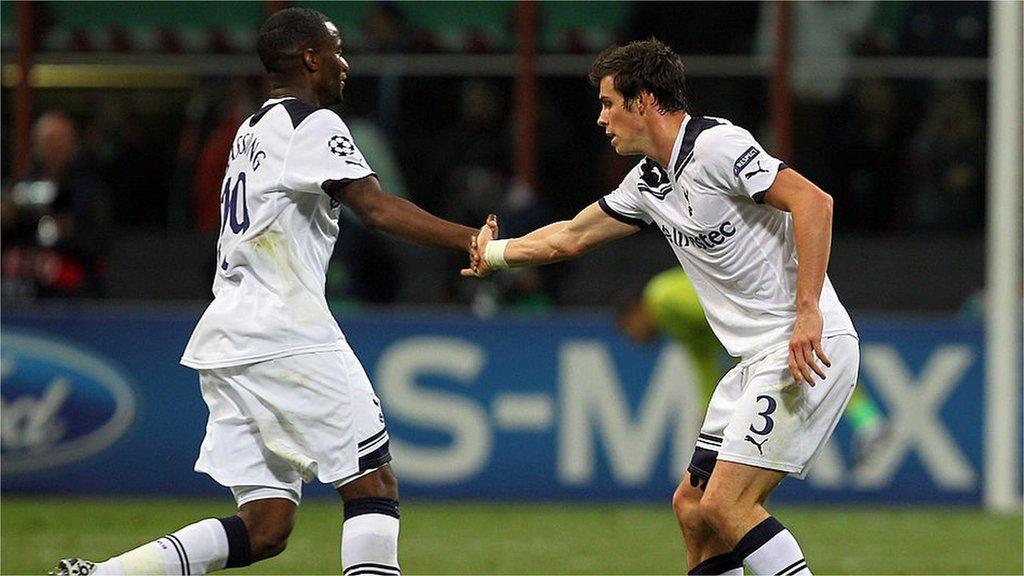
766,414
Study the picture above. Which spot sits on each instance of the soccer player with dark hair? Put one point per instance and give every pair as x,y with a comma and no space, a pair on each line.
288,399
754,237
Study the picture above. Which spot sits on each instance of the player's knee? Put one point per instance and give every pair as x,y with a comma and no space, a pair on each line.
268,528
270,542
686,502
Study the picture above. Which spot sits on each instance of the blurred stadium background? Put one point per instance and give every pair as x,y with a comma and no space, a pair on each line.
530,437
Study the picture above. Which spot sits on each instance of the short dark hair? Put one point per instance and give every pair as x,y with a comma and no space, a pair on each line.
286,35
645,65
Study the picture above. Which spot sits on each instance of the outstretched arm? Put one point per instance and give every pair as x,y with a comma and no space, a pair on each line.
552,243
398,216
812,228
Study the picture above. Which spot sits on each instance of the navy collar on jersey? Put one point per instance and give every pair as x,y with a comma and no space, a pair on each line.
682,151
297,109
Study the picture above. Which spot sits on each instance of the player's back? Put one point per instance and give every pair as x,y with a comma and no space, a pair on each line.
277,232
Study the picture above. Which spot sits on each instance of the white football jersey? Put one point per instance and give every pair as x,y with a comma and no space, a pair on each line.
739,253
278,229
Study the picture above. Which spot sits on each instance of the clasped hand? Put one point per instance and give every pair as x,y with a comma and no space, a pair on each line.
477,264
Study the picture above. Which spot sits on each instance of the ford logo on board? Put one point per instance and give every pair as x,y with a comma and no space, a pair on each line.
58,403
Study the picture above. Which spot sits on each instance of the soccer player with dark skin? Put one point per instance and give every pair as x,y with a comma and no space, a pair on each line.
754,236
302,53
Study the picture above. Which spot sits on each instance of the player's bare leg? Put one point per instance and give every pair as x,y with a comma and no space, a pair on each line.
704,549
369,542
269,522
733,504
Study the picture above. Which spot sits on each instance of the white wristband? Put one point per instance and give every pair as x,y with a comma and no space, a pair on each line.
494,254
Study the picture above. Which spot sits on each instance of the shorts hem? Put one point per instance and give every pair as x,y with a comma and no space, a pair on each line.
230,483
760,463
332,479
364,468
265,493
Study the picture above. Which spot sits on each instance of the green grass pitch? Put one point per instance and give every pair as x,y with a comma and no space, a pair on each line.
488,538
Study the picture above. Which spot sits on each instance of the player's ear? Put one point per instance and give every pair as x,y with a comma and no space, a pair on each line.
311,60
646,102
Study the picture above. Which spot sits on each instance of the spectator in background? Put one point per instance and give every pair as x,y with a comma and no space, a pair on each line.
238,102
364,268
872,160
949,154
944,29
696,27
471,166
387,32
118,144
473,171
823,38
57,223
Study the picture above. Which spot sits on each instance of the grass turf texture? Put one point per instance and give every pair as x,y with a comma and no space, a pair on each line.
468,538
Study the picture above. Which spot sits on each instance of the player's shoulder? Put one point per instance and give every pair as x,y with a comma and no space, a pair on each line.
698,133
725,144
321,121
711,131
299,115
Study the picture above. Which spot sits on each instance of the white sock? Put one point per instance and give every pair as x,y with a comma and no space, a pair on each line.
769,548
195,549
369,543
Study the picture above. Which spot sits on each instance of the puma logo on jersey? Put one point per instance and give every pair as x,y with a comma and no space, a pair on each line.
753,173
756,443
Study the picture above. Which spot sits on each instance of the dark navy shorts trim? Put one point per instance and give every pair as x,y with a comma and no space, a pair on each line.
375,459
702,463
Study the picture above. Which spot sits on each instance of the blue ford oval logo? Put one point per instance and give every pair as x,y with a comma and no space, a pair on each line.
58,403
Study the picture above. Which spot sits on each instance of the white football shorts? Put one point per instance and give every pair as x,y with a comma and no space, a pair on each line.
276,424
759,416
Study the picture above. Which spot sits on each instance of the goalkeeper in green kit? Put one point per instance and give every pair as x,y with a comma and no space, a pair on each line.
668,305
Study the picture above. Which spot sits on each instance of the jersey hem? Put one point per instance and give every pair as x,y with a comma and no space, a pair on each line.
253,359
767,351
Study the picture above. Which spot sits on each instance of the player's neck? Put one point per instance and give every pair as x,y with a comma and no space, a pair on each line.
306,94
664,129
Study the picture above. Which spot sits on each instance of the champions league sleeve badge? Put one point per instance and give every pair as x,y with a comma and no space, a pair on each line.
341,146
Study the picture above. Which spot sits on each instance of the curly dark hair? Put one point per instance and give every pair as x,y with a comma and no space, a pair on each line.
286,35
644,66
